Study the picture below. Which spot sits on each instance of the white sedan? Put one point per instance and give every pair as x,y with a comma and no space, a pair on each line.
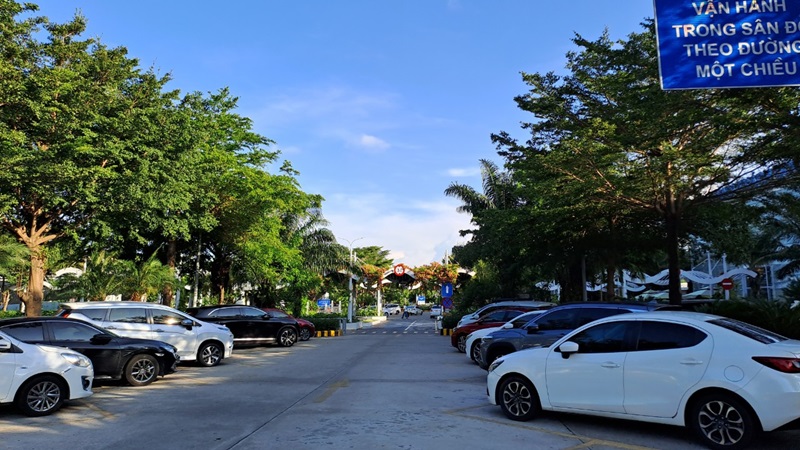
474,339
723,379
39,378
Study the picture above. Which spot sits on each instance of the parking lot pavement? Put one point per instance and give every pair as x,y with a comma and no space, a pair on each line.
359,391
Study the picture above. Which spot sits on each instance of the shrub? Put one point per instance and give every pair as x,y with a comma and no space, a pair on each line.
325,323
775,316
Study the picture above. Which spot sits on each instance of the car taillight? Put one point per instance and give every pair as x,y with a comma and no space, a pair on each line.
785,365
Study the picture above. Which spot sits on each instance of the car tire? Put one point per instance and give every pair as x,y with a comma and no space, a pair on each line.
518,398
492,356
287,336
722,421
141,370
475,353
462,343
209,354
305,334
41,395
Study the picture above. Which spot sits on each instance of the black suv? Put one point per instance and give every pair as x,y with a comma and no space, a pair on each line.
548,327
138,361
250,325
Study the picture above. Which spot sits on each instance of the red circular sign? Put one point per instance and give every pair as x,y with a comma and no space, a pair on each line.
727,284
399,270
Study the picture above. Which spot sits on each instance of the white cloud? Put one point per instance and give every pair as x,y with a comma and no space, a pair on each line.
372,143
461,172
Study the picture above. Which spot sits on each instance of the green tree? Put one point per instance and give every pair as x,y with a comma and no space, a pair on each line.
609,130
70,115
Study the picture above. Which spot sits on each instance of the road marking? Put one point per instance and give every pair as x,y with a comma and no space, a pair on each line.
331,389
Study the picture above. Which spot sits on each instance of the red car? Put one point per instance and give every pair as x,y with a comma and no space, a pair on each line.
307,328
495,318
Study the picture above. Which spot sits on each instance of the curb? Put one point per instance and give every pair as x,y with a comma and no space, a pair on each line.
329,333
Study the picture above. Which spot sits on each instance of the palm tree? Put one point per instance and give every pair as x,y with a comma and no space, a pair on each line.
498,191
146,279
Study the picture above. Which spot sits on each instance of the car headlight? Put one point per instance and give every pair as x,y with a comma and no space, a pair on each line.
486,338
76,359
495,364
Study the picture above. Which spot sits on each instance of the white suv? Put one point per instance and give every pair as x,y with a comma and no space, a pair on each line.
39,378
204,342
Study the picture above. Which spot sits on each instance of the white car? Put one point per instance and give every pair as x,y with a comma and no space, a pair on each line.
725,380
436,310
391,309
206,343
413,309
474,339
486,309
39,378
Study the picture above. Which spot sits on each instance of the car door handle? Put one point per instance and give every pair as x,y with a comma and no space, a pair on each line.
610,365
691,362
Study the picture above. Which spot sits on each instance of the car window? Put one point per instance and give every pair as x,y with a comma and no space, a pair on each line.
282,314
748,330
565,319
586,315
128,315
225,312
98,314
496,316
510,315
664,336
253,312
67,331
519,321
26,332
606,337
164,317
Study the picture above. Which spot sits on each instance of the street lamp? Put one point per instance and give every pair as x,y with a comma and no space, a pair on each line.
350,280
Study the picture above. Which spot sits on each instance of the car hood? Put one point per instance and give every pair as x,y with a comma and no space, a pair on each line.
145,343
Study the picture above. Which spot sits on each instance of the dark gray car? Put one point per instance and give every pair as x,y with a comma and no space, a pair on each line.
548,327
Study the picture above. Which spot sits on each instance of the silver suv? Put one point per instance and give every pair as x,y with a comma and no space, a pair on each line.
526,305
204,342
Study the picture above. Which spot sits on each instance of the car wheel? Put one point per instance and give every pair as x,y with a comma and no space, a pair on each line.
519,399
475,352
462,344
287,336
305,334
209,354
141,370
41,396
723,422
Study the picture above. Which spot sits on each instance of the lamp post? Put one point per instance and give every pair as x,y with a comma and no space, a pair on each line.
350,280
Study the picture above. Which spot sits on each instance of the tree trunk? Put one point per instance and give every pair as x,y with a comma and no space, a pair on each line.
168,293
34,295
611,288
673,258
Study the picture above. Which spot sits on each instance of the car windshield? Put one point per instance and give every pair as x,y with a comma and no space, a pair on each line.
751,331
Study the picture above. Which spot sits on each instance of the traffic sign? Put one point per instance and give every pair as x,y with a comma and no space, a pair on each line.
727,284
447,303
399,270
447,290
324,303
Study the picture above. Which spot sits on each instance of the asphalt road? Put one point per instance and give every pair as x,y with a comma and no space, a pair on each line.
398,385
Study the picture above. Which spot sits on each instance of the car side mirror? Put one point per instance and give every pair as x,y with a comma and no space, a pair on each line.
100,339
567,349
532,328
266,317
4,345
507,326
187,323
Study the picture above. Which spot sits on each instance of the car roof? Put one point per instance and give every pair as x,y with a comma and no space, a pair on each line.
13,320
110,304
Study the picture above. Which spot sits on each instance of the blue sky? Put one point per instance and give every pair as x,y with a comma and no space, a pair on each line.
380,104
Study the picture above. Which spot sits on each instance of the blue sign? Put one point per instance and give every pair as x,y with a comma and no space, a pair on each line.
447,290
728,43
421,299
324,303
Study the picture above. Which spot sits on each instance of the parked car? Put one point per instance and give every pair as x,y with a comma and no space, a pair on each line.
307,329
725,380
436,310
204,342
551,325
39,378
391,309
137,361
473,345
458,338
250,325
523,305
413,309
